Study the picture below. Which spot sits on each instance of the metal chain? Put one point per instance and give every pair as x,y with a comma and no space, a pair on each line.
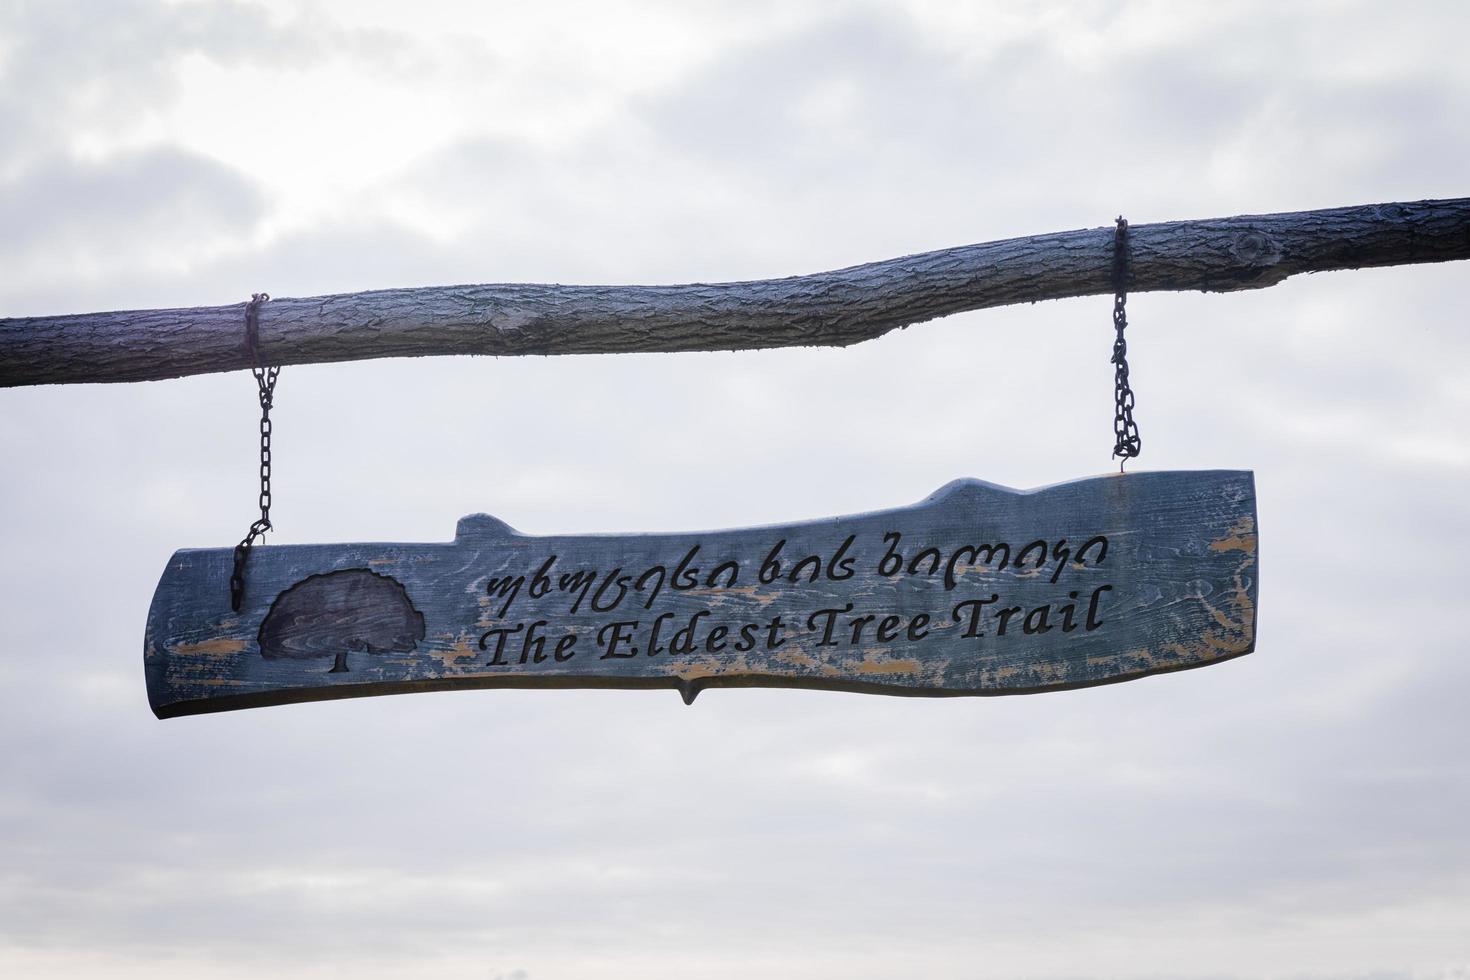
265,381
1127,443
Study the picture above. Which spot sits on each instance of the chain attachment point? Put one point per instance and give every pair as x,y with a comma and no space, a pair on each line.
265,382
1127,443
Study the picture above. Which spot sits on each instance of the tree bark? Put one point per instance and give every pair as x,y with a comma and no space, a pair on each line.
826,309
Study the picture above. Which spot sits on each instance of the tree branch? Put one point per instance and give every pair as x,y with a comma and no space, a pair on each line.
827,309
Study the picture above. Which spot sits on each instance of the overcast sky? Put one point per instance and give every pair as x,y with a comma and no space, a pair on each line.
1298,813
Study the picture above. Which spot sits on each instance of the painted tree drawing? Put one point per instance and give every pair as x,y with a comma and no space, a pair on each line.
332,615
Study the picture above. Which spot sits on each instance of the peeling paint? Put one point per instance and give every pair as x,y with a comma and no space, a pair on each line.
870,665
222,646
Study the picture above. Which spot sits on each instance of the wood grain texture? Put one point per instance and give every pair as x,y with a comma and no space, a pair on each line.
977,590
826,309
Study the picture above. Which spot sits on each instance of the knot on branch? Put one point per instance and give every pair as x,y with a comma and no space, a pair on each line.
1254,257
1255,250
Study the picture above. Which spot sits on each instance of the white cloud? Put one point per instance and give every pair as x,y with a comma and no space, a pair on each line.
1294,813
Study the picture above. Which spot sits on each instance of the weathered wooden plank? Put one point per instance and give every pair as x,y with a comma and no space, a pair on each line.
837,308
979,589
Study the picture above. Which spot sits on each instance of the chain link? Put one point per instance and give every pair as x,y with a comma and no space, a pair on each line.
265,382
1127,443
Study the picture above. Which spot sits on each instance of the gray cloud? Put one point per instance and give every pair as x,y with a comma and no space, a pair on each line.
109,65
130,207
85,63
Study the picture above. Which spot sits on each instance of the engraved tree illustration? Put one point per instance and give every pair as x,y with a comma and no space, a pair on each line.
354,610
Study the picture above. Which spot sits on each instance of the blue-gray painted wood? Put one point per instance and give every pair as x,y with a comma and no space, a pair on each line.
977,590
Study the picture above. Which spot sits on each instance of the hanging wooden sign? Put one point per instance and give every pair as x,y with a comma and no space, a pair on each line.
977,590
